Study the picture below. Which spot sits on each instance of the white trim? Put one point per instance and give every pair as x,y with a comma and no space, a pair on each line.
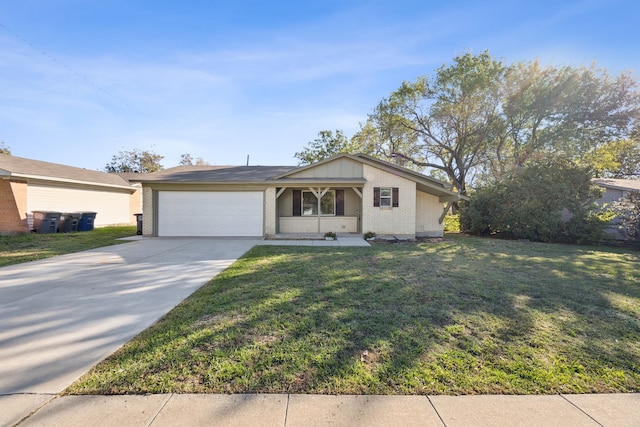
70,181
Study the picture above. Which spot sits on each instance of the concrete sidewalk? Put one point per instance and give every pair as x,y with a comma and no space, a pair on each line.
318,410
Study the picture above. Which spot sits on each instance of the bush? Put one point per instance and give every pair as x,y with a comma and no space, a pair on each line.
628,215
452,223
549,201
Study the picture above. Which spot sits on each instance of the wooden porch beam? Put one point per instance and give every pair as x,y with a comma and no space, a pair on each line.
355,190
279,193
444,212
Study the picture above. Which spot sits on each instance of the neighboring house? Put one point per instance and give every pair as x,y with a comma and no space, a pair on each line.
31,185
343,194
615,190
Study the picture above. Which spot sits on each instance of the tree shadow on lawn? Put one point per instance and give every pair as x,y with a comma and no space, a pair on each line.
463,317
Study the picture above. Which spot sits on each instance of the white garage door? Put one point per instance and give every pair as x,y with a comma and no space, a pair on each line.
210,213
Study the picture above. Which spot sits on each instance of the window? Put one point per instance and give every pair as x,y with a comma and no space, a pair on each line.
386,197
310,203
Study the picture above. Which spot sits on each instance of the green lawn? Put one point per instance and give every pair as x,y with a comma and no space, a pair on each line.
33,246
465,316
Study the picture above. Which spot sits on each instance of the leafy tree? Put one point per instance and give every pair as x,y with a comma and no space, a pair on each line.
325,146
385,134
628,214
136,160
4,149
567,111
546,200
447,122
478,118
187,159
616,159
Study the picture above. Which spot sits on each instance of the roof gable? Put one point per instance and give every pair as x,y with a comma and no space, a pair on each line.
345,164
335,167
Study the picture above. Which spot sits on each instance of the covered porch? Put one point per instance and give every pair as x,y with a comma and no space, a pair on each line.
312,210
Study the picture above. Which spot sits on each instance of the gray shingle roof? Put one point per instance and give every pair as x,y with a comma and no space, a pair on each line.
21,168
214,174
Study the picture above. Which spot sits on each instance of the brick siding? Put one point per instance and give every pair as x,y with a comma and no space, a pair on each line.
13,207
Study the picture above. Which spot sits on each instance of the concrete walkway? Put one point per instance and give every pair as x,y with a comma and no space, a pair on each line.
295,410
62,315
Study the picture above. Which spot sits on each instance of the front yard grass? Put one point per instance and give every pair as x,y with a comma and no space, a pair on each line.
33,246
464,316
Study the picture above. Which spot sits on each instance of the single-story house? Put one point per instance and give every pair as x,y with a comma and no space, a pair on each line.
343,194
31,185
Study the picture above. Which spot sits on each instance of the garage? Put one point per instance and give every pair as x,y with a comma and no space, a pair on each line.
210,213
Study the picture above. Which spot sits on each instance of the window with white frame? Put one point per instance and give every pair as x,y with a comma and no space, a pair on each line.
385,196
310,203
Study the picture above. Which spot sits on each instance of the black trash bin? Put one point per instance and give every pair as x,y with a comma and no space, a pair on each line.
68,222
85,223
45,221
139,223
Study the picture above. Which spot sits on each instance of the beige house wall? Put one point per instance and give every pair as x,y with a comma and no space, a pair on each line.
135,203
311,224
400,221
111,205
428,211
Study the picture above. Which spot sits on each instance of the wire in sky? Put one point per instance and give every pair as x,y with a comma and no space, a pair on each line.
63,65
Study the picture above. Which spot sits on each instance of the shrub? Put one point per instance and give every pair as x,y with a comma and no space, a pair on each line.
549,201
452,223
628,215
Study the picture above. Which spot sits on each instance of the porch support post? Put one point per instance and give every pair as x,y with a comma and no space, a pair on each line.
444,212
319,193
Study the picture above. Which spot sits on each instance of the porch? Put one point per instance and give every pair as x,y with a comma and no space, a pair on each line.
309,212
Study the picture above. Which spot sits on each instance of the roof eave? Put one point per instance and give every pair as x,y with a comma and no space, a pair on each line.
67,181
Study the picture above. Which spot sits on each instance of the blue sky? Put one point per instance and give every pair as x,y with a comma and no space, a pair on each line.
81,80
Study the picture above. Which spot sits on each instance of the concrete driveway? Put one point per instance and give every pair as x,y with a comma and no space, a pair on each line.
60,316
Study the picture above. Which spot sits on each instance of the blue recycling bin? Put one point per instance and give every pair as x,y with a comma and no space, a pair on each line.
85,223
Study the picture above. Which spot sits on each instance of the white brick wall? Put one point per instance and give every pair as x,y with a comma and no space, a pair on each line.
400,221
428,211
270,211
147,211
